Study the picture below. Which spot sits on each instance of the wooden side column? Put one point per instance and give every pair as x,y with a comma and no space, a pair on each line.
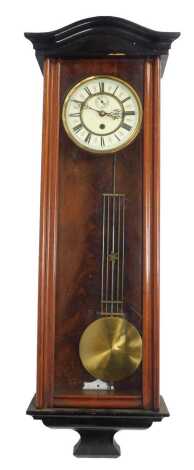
48,235
147,236
151,235
156,233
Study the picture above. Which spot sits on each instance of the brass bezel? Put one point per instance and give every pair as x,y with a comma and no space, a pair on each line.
82,146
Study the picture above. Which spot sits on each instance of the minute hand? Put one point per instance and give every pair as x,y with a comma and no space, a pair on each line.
86,106
102,113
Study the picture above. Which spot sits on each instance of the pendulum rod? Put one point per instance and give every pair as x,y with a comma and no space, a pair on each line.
107,250
118,250
113,243
123,254
113,234
103,242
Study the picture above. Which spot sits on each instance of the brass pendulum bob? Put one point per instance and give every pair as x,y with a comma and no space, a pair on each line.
111,347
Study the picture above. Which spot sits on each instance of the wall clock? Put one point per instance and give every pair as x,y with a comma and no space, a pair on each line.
98,313
102,114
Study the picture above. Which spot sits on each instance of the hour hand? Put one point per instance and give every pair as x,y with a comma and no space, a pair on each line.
115,114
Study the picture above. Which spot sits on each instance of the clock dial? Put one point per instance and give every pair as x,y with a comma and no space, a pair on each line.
102,114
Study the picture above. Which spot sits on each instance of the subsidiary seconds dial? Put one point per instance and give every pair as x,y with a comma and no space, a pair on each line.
102,114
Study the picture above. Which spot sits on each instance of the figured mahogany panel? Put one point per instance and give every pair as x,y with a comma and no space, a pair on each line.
82,180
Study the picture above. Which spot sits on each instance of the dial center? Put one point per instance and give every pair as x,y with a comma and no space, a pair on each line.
101,121
102,113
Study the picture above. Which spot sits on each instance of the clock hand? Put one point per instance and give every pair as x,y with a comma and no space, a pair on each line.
86,106
113,114
116,114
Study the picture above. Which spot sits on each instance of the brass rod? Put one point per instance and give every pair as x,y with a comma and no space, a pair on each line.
107,247
123,253
103,242
113,232
113,194
118,249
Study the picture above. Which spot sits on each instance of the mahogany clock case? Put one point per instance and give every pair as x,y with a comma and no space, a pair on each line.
73,181
82,180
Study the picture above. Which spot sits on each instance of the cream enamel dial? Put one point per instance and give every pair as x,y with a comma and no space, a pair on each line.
102,114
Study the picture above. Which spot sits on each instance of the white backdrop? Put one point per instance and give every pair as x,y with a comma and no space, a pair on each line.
28,444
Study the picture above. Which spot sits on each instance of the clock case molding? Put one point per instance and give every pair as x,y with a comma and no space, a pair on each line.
100,37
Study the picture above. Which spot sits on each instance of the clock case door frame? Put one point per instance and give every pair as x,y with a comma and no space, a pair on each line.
48,246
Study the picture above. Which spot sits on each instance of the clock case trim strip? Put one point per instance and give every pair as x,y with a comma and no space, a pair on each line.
48,235
106,401
101,36
151,235
48,246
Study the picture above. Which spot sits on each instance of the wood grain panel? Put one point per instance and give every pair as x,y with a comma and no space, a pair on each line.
147,235
48,238
95,400
82,180
156,232
151,218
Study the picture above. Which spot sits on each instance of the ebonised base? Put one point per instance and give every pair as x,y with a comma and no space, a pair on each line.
97,426
96,443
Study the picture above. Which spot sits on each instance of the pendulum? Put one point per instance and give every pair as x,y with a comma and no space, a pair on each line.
111,347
